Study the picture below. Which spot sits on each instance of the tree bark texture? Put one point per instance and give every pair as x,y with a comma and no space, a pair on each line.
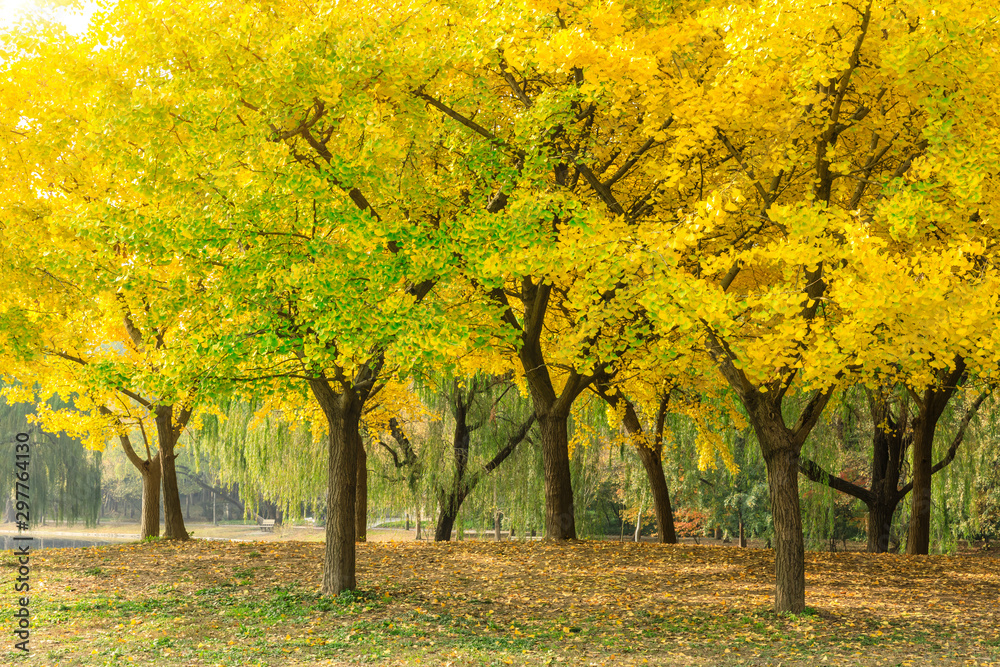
880,513
781,447
653,464
150,521
551,409
343,415
789,551
918,539
361,496
931,407
151,473
560,521
446,520
167,437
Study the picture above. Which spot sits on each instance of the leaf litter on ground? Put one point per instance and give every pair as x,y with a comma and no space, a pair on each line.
484,603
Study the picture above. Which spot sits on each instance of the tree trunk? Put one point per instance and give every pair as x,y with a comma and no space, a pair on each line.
361,497
445,524
497,525
638,523
560,522
551,409
650,453
789,551
451,503
880,513
918,541
931,407
167,437
343,416
419,523
653,464
743,536
149,525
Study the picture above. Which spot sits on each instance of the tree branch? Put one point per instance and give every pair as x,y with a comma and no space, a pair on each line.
813,471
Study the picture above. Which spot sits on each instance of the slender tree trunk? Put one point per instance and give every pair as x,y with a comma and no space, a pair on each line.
560,522
653,464
173,516
789,550
420,513
361,497
650,452
343,415
551,409
638,522
497,524
743,536
150,522
931,407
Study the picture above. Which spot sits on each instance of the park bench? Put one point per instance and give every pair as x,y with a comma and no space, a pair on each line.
267,525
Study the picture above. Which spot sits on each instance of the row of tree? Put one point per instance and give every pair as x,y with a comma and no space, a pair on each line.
626,198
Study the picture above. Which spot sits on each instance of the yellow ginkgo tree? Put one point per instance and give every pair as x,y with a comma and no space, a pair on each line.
847,136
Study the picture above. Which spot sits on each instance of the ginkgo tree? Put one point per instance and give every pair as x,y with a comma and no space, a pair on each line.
275,171
842,158
559,101
83,317
316,195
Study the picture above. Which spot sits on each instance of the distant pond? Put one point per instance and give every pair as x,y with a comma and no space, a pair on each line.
62,542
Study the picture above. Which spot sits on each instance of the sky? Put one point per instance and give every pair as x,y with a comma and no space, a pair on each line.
75,20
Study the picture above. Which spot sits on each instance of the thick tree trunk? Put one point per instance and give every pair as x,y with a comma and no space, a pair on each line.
149,525
451,503
653,464
343,415
880,513
560,522
789,551
445,524
918,541
172,514
361,496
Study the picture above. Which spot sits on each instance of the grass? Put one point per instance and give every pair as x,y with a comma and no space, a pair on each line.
218,603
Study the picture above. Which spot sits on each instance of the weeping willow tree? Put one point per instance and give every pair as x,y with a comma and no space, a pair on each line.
453,449
65,477
966,494
841,442
265,456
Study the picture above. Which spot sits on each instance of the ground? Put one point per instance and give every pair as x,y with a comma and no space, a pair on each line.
483,603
